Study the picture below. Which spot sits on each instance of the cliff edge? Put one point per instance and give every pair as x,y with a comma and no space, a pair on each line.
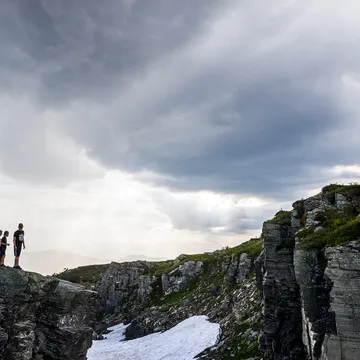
44,317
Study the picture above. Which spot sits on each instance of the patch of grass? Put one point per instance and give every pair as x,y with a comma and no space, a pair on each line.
351,191
86,275
253,247
282,217
167,267
332,236
305,232
331,188
159,268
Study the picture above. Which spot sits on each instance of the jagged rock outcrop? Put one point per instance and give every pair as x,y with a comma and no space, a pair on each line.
238,268
124,290
44,317
179,278
311,284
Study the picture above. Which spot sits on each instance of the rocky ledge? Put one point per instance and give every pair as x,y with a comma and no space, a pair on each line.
44,317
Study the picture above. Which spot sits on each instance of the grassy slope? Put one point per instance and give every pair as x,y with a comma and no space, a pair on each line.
337,227
85,275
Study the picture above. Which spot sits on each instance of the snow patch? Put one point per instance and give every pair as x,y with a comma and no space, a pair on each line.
182,342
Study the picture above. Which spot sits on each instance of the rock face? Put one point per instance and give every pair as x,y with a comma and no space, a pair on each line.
43,317
282,325
124,289
238,268
312,295
179,278
343,270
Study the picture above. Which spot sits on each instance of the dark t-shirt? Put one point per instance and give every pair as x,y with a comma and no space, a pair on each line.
3,243
19,237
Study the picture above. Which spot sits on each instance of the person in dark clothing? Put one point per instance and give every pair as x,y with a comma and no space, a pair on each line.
19,243
0,245
3,246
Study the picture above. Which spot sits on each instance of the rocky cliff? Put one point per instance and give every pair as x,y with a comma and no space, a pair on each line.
310,271
44,317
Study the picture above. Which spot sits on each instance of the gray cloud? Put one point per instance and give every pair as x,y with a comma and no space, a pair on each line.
230,97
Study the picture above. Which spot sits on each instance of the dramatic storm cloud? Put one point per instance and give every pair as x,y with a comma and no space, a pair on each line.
217,113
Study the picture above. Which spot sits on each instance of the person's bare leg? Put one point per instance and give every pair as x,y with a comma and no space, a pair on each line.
16,261
2,260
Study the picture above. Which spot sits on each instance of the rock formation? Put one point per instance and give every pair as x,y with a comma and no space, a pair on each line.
310,278
44,317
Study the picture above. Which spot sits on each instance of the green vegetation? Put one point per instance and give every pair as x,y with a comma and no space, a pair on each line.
84,275
339,233
305,232
211,261
282,217
338,226
252,247
241,348
353,189
350,191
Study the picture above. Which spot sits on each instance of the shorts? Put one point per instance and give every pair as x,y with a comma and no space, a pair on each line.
2,251
17,250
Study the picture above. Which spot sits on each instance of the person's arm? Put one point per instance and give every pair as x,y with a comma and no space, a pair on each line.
3,243
24,244
14,239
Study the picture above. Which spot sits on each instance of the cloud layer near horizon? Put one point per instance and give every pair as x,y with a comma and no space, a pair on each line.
195,100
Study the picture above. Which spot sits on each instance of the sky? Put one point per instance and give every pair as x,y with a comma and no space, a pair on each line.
155,128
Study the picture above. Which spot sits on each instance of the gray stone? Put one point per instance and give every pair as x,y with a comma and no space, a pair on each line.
341,201
280,337
179,278
343,269
43,317
315,287
124,289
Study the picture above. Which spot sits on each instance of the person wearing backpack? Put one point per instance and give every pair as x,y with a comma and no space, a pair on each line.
19,243
3,246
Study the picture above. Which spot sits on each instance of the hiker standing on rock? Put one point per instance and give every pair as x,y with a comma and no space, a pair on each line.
19,242
3,246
